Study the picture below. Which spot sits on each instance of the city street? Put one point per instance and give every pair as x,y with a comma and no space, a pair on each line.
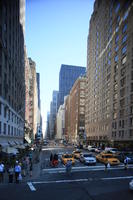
85,182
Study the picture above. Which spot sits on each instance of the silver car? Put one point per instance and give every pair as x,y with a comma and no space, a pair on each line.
131,185
88,159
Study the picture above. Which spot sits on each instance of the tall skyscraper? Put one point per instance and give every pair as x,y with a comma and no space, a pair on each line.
53,111
109,92
12,71
67,77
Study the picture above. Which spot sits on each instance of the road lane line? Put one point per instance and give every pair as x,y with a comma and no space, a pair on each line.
32,188
117,178
60,181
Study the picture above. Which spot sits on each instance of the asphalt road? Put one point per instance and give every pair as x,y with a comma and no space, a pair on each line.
84,183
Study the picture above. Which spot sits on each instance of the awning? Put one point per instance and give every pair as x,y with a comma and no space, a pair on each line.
20,146
4,144
11,143
10,150
16,142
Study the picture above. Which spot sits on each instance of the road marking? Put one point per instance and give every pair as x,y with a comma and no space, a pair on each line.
117,178
83,168
76,180
32,188
60,181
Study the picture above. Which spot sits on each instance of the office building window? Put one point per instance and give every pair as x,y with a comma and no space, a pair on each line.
125,15
124,39
0,108
0,128
116,58
124,49
8,129
124,28
117,7
4,128
124,60
116,39
116,48
5,112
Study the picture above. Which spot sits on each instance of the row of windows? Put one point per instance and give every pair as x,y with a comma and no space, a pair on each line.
9,130
122,133
9,115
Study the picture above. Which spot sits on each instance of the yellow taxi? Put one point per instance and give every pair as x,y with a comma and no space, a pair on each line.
76,153
67,157
107,158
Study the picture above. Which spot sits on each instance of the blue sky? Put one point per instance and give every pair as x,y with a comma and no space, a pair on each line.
56,33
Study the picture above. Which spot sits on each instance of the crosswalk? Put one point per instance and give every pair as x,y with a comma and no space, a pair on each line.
83,168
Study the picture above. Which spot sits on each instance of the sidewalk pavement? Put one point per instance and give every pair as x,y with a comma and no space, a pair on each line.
36,172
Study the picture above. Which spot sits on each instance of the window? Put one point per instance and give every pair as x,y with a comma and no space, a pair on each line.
5,112
8,129
124,49
125,15
117,7
122,82
123,71
0,128
124,39
4,129
124,60
116,58
116,39
0,108
124,28
116,48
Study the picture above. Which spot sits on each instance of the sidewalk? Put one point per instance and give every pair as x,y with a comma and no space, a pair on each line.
36,158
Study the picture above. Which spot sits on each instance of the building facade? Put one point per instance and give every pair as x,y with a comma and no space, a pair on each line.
60,122
109,91
75,112
53,111
12,71
67,77
33,98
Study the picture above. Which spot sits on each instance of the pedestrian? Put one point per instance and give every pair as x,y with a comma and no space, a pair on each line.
31,168
24,167
108,165
105,166
51,158
126,163
10,173
2,169
17,170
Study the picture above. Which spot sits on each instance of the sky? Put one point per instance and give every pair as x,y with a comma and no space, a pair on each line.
56,33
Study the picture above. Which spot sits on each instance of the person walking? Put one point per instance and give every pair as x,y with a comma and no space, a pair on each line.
30,167
17,170
2,169
126,163
10,173
51,158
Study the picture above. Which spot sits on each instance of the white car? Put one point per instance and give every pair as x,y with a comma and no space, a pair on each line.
88,159
91,148
111,150
131,185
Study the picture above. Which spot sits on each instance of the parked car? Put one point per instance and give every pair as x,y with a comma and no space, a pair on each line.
76,153
98,150
111,150
131,185
87,158
91,148
66,157
85,146
107,158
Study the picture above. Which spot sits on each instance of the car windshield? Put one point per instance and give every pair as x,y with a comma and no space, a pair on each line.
88,155
108,156
68,156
